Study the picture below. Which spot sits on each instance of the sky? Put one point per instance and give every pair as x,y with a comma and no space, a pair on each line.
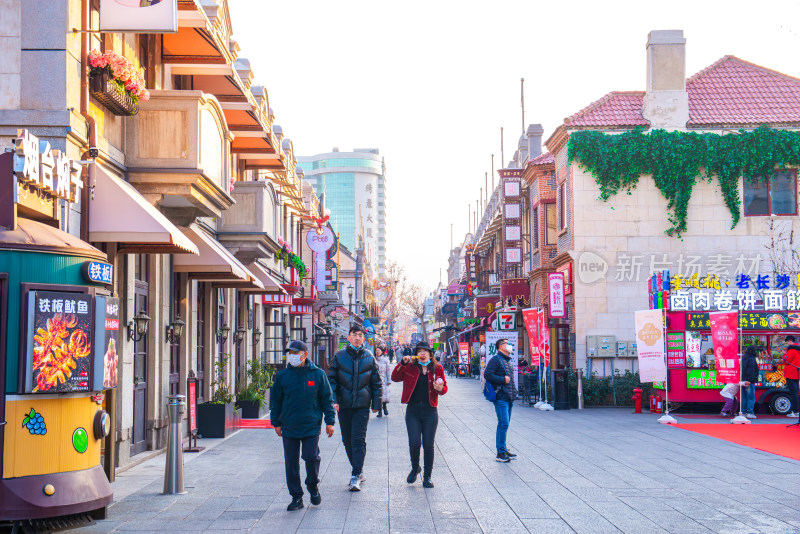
431,83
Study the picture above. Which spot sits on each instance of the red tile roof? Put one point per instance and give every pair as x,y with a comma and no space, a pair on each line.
732,91
616,109
543,159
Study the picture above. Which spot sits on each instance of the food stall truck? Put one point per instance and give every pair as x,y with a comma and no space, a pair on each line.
58,338
690,357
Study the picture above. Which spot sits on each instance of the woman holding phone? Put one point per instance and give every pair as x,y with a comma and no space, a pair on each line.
423,382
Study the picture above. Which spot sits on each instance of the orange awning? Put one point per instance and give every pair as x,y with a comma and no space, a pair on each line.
214,263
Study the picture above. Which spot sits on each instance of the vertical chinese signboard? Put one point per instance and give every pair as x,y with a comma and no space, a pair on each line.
676,350
531,318
106,342
463,352
511,185
59,344
558,308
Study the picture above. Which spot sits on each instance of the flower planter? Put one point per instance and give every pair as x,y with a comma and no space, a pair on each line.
216,420
103,88
251,409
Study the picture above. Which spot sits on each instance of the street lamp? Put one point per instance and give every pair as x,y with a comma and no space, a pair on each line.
222,334
350,294
240,334
256,336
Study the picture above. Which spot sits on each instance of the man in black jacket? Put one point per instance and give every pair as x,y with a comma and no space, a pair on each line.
499,373
299,396
749,379
356,384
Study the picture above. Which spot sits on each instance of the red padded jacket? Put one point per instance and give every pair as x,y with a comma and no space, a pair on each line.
408,375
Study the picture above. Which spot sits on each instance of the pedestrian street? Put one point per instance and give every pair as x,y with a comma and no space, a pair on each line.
594,470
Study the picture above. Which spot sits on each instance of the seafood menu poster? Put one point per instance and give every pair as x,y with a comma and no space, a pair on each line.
59,342
106,342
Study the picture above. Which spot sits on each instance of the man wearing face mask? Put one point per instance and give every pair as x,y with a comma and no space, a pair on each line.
356,385
299,397
500,373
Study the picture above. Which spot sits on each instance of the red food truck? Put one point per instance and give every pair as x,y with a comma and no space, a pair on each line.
690,357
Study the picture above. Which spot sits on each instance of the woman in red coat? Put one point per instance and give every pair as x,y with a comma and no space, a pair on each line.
423,381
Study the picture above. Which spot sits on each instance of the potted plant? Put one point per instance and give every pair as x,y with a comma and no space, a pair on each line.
116,83
217,417
253,393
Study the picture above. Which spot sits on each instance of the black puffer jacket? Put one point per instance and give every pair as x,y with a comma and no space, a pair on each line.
355,379
749,366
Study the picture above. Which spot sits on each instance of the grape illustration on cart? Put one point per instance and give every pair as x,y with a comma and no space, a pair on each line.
35,424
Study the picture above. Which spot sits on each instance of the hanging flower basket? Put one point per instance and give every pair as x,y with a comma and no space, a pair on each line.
106,91
116,83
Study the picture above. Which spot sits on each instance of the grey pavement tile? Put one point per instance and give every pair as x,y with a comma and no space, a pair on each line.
550,526
674,521
458,526
450,510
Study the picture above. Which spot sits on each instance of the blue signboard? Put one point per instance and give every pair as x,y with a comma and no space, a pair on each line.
98,272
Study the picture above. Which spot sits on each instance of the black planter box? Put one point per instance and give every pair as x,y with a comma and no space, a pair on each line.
251,409
108,93
216,420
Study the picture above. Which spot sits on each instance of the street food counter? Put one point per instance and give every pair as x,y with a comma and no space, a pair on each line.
691,365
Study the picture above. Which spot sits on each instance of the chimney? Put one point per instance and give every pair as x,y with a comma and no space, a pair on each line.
336,149
534,133
666,103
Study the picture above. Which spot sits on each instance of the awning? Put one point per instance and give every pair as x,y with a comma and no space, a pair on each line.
214,263
267,280
119,214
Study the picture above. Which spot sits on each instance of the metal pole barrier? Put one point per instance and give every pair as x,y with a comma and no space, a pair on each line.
173,470
580,389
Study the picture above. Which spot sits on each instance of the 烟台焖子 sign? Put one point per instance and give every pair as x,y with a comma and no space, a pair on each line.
48,170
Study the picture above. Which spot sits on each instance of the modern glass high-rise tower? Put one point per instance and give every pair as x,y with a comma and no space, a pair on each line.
354,184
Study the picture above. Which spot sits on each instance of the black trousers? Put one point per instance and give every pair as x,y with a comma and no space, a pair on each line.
291,457
353,424
791,383
421,424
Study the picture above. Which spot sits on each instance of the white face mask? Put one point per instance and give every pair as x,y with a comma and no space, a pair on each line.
295,360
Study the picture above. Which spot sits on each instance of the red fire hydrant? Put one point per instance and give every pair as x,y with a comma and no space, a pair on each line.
658,404
637,400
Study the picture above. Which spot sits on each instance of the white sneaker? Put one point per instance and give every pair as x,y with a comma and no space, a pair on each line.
355,484
362,478
750,416
791,414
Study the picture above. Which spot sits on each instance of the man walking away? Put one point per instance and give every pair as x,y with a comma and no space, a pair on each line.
500,374
790,370
298,398
356,385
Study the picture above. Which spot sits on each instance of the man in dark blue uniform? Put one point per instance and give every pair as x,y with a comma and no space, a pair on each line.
299,397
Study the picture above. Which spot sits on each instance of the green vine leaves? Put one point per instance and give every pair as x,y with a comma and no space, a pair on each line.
677,160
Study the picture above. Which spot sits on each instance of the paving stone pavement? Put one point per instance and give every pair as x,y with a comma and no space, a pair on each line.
588,471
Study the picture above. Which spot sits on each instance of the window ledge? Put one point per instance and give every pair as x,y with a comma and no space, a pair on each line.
563,231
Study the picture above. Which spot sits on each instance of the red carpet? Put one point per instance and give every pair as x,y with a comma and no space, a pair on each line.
717,416
254,423
776,439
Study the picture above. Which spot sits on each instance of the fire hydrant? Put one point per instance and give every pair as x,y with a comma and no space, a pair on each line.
637,400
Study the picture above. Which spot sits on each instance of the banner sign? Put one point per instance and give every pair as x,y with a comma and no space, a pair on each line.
531,318
491,349
139,16
725,336
556,295
676,350
106,341
320,240
59,342
192,406
463,352
544,339
650,346
511,188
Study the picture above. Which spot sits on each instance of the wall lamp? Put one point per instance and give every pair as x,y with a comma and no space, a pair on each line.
240,335
174,329
256,336
137,327
222,334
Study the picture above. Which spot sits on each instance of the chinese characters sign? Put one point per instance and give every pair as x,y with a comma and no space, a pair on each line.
106,343
45,169
558,307
676,350
531,318
512,222
59,342
98,272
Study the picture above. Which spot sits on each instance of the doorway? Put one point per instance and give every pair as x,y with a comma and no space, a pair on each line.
141,288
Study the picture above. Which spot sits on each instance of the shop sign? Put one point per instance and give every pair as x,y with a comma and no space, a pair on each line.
511,183
567,271
106,341
556,295
463,352
491,349
59,342
139,16
39,166
544,339
98,272
320,240
725,336
650,347
531,318
676,350
192,406
450,308
750,321
702,379
507,320
485,306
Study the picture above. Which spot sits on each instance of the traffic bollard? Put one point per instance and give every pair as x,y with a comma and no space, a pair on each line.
173,471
